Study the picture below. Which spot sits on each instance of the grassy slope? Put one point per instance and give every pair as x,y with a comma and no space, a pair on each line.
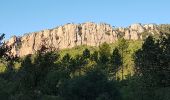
133,46
129,64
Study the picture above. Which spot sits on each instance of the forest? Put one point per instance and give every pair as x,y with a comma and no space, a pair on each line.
125,70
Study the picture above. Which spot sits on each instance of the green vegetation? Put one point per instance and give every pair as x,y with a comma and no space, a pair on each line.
125,70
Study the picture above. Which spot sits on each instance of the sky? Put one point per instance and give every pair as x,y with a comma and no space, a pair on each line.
18,17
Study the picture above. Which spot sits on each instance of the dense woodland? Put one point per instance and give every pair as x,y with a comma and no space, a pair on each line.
126,70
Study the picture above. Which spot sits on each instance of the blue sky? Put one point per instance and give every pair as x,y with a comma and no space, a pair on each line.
22,16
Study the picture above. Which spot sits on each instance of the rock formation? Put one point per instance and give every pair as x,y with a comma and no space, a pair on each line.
71,35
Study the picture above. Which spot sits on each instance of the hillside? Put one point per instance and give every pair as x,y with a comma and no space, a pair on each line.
123,69
72,35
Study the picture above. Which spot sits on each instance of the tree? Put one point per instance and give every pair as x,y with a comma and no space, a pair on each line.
145,59
5,54
86,53
7,58
92,86
152,61
66,58
94,56
7,83
122,46
104,53
152,66
43,63
66,62
116,61
3,47
163,72
53,82
27,74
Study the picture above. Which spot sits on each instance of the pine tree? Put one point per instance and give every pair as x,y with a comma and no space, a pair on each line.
95,56
66,62
86,53
104,53
151,61
122,46
116,61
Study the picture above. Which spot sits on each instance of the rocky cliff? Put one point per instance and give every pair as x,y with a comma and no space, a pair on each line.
71,35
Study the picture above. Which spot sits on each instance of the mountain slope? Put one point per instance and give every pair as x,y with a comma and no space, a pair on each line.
71,35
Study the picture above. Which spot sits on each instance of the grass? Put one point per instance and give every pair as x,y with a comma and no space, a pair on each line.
77,50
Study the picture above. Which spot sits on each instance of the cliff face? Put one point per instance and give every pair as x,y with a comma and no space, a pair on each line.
71,35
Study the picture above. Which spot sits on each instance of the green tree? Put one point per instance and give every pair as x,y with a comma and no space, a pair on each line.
164,58
43,63
123,49
104,53
7,79
92,86
166,65
66,62
53,82
116,61
5,55
66,58
152,66
94,56
147,61
86,53
27,72
2,48
28,80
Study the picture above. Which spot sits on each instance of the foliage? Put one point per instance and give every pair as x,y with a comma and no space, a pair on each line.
115,61
86,53
95,87
123,49
152,61
104,53
92,73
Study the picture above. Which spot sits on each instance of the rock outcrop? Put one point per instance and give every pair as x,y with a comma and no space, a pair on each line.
71,35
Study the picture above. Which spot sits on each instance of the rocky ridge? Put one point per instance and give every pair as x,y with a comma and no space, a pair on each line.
71,35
